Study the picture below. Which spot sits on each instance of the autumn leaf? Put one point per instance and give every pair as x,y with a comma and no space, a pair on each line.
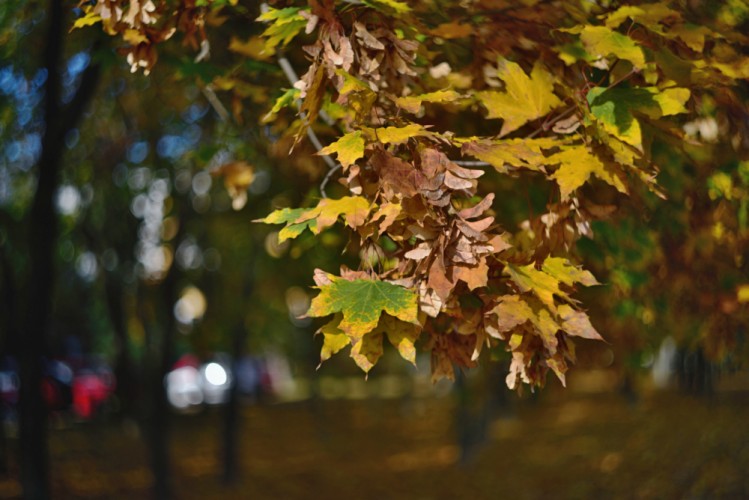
289,216
524,99
601,41
396,135
577,164
288,98
367,350
525,153
389,5
89,19
412,104
614,107
401,335
528,278
650,15
511,312
577,323
362,302
568,274
354,209
285,24
349,148
333,339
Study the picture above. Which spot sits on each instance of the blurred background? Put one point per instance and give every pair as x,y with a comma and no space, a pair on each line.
166,327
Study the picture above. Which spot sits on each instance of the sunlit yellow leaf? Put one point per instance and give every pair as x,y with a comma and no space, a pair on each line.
349,148
333,339
601,41
412,104
354,210
650,15
89,19
576,165
401,335
524,99
568,274
396,135
528,278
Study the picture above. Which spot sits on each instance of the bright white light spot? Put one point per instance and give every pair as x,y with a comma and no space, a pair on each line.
215,374
68,200
182,387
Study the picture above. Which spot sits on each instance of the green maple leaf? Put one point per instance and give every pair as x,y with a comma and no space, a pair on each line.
613,108
524,99
349,148
362,302
354,210
286,99
289,216
285,24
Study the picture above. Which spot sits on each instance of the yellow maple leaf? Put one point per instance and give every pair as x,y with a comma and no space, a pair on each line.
333,339
354,209
349,148
524,99
577,164
396,135
412,104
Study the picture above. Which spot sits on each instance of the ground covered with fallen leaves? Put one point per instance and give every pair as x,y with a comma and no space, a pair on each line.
562,445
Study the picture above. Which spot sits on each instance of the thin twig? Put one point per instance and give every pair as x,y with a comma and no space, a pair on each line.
292,77
327,178
471,163
215,103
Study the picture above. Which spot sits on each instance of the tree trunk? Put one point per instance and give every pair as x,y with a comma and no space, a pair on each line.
42,235
231,411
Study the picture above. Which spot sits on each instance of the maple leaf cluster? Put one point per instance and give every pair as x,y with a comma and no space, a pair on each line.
581,89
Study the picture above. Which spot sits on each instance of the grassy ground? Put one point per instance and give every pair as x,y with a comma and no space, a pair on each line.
565,446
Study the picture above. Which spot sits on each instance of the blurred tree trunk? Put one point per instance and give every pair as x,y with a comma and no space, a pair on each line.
158,319
231,411
9,326
42,233
230,445
154,311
